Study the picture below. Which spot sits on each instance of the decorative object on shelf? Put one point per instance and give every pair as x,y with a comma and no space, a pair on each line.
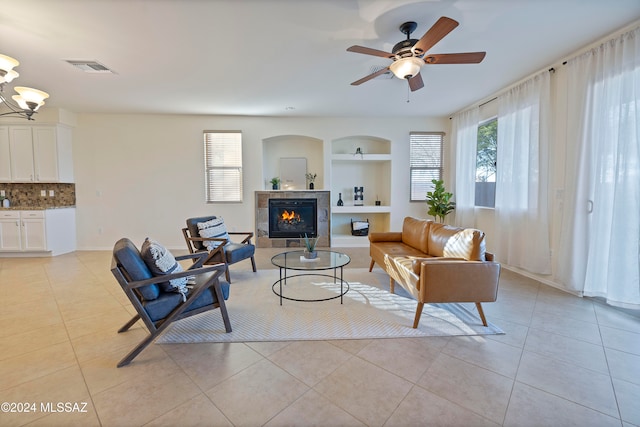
311,177
275,183
340,202
359,151
27,101
439,201
378,203
358,196
310,247
360,228
5,203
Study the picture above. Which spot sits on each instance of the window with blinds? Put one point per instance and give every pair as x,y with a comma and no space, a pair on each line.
425,160
223,166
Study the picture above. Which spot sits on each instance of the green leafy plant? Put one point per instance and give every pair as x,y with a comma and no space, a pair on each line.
275,181
310,243
439,201
311,177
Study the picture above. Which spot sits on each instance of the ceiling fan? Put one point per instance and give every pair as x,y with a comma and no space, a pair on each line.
410,55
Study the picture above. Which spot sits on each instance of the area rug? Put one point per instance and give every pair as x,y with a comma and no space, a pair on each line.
366,312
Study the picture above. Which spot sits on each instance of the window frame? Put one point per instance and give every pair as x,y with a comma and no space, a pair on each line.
476,189
230,167
423,184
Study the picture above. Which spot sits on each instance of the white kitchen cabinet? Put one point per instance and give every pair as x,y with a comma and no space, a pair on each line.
10,236
5,159
24,233
34,236
38,154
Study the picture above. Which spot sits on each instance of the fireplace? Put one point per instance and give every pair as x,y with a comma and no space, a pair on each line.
293,218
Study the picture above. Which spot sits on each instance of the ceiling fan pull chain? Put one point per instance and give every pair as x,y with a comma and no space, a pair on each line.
408,92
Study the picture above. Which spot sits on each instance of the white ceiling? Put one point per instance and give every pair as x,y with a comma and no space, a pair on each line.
262,57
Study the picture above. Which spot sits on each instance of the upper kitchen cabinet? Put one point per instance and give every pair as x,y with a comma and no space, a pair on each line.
5,159
36,153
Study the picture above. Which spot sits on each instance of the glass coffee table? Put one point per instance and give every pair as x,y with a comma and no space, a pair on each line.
326,260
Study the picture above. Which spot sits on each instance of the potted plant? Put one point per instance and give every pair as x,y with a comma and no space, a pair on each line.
311,177
439,201
275,183
310,247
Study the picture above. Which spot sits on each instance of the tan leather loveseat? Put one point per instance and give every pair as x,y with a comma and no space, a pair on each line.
437,263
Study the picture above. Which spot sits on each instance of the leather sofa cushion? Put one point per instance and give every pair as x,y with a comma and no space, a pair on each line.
455,242
381,250
415,233
385,236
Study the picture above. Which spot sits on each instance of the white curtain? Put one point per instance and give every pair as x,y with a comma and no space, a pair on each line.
601,225
465,138
522,206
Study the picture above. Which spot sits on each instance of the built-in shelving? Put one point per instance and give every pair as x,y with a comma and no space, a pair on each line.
360,209
360,158
359,161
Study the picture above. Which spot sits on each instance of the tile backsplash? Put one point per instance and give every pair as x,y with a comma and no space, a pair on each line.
30,195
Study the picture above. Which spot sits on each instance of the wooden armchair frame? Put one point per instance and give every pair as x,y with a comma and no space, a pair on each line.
207,277
217,255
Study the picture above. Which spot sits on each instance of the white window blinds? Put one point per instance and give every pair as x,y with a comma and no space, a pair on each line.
223,166
425,162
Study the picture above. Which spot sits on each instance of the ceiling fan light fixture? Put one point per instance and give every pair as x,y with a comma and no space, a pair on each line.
405,68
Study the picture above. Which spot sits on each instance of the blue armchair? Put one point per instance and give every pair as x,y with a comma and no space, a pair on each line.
220,247
156,306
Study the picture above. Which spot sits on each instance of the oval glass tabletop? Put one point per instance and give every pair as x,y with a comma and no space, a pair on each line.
295,260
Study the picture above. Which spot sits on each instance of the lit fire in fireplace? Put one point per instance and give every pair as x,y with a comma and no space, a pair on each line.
290,216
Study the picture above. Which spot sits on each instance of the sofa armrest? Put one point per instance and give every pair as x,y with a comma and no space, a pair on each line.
387,236
458,281
416,265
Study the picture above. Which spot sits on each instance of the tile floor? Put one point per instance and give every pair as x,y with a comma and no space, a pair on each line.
563,361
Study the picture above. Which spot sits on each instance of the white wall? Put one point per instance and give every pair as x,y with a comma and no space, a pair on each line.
143,175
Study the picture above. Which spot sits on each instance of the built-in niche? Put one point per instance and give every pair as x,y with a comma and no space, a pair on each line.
301,149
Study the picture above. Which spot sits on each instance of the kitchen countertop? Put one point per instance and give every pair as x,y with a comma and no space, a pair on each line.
33,208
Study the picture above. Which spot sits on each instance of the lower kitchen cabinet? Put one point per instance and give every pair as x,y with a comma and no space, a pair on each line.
37,232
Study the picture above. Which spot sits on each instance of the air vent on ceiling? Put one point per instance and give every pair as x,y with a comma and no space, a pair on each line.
91,67
384,76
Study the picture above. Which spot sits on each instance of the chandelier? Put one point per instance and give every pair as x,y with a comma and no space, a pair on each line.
27,101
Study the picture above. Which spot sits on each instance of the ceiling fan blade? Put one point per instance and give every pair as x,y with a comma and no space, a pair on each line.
369,51
370,76
455,58
416,82
441,28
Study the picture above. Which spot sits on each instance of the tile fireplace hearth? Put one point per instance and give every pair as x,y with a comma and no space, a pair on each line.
322,225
